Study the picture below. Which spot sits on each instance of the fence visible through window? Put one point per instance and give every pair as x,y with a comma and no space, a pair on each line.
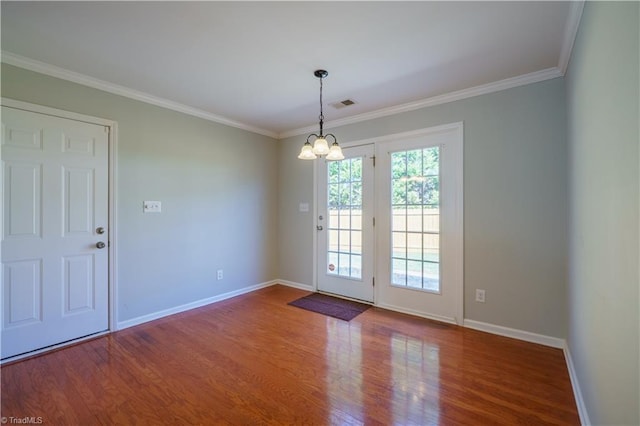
415,219
345,218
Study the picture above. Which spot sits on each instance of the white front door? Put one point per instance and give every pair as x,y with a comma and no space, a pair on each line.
54,230
345,224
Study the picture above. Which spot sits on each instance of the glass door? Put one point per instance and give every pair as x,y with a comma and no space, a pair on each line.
420,224
346,224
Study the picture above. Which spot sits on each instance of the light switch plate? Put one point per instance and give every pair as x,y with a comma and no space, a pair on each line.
151,206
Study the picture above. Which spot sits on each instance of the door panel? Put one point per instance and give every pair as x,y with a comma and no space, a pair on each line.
22,200
419,211
23,290
54,278
78,201
79,284
345,214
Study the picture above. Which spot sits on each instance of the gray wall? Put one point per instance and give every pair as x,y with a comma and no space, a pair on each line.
602,104
515,190
217,184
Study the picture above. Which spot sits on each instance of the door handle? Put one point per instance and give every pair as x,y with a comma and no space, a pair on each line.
100,230
100,245
319,227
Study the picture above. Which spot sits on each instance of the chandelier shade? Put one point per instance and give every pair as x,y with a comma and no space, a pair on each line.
307,152
320,146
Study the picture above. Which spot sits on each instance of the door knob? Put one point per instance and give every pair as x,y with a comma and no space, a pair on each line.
319,227
100,245
100,230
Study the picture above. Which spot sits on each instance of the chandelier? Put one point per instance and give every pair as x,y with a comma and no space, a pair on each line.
320,145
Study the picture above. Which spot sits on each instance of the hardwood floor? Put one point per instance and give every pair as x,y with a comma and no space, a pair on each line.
255,360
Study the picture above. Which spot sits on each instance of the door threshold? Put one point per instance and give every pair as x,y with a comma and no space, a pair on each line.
340,296
47,349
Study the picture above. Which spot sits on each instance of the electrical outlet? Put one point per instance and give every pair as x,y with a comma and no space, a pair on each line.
479,295
220,274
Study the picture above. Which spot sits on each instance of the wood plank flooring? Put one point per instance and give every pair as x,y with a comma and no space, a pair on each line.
255,360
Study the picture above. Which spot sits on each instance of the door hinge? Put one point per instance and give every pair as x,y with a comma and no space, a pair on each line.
374,160
374,221
374,281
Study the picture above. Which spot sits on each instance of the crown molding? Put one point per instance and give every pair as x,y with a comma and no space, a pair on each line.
64,74
484,89
534,77
570,33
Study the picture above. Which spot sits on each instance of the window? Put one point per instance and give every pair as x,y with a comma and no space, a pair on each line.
415,219
345,218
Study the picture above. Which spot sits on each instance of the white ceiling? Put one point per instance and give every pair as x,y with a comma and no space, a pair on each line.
251,64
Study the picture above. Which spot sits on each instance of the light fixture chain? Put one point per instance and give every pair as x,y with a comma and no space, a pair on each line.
321,117
321,114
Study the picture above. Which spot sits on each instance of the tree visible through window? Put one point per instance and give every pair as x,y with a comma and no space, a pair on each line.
415,227
345,218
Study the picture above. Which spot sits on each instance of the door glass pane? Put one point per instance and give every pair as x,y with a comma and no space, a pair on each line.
415,224
344,192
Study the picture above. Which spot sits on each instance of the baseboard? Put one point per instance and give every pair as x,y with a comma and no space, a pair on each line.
295,285
582,408
416,313
541,339
198,303
209,300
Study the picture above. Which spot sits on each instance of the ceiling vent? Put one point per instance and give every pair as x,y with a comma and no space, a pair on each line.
342,104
